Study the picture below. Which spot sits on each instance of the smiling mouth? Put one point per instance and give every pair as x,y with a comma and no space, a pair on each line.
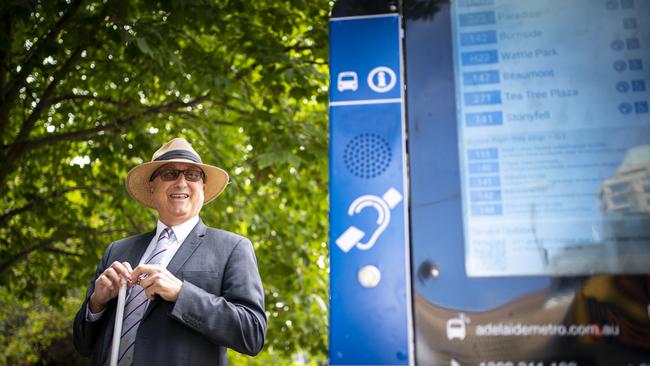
179,195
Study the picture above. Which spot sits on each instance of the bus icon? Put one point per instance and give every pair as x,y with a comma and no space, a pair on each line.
347,80
456,327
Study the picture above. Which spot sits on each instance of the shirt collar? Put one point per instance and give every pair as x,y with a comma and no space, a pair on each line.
181,231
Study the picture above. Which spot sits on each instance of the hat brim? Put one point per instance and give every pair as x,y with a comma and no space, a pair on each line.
137,180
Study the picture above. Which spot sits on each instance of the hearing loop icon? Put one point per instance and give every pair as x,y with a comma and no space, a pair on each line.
352,236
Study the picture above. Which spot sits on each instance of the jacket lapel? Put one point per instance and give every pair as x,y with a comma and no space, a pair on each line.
182,255
187,248
136,251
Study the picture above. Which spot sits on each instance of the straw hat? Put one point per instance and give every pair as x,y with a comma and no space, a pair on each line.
177,150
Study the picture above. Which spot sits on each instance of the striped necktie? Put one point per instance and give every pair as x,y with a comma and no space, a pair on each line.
137,302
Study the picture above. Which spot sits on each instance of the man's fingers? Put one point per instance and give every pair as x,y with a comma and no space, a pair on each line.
130,281
163,284
104,289
127,265
108,283
152,286
150,291
111,279
122,268
138,271
145,270
112,275
105,282
149,280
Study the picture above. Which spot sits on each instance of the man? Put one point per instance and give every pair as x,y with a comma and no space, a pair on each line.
193,291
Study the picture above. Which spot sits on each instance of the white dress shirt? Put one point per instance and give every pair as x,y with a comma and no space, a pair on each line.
181,231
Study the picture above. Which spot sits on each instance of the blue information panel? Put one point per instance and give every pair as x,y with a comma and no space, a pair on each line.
369,286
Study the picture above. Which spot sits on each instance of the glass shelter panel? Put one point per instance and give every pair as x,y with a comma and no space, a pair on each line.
529,176
554,135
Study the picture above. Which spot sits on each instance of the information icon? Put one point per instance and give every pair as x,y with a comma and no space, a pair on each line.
382,79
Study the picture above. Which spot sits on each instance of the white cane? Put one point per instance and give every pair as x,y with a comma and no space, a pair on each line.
119,318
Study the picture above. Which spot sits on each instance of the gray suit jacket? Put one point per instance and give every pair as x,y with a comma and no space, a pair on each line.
221,304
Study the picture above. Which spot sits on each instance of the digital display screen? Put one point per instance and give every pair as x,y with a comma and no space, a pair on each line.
554,135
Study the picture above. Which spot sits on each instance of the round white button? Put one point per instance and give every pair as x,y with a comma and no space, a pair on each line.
369,276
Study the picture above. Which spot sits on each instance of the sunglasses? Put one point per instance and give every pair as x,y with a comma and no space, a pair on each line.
168,175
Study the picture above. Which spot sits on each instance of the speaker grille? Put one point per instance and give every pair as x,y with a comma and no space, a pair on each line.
367,155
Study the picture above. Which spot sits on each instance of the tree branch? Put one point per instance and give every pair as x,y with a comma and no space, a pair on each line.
190,115
45,245
23,253
14,151
107,100
297,47
43,103
61,251
35,55
314,62
18,81
9,22
122,231
226,105
136,225
38,202
118,125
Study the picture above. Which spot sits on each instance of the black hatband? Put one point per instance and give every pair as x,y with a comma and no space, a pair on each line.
176,154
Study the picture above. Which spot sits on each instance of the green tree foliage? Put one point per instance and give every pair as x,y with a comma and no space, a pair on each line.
89,89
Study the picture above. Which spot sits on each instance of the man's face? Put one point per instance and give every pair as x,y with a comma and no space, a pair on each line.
176,200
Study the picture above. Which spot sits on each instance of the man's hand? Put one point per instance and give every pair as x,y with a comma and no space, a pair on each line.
107,285
157,280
